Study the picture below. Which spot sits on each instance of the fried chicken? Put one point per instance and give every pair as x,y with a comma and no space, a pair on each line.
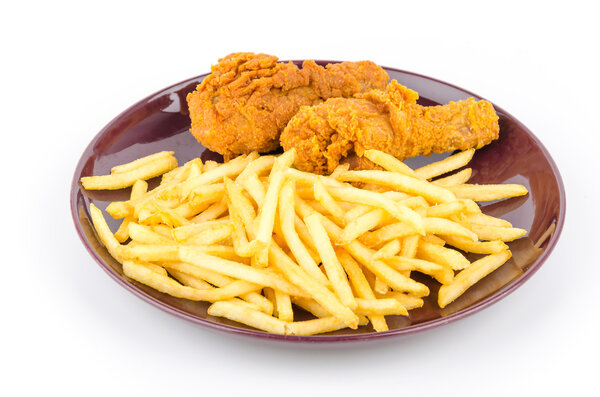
389,120
247,100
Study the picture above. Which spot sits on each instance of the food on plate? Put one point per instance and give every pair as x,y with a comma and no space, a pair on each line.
388,120
247,100
126,175
262,240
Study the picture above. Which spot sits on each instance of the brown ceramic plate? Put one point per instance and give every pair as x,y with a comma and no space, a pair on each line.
161,122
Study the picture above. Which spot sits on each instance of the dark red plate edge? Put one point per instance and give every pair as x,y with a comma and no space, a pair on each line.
498,295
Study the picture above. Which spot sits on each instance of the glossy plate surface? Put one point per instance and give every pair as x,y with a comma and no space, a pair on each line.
161,122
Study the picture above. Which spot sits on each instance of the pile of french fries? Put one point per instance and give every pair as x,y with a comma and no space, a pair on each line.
259,238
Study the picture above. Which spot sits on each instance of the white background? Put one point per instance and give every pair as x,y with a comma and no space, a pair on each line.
68,69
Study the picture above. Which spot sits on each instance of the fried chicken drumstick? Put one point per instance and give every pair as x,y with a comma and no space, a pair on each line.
249,98
388,120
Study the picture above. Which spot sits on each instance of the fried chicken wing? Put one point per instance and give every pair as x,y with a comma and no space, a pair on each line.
247,100
389,120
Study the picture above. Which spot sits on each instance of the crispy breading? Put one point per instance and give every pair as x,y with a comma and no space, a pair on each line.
247,100
389,120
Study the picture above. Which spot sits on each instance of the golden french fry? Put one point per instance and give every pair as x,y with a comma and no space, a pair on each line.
445,210
445,226
458,178
469,276
450,163
284,306
441,273
387,233
432,193
323,197
389,162
388,250
477,247
287,216
486,220
488,192
497,233
317,326
408,301
104,234
213,211
380,306
433,239
442,255
183,233
139,162
144,235
333,268
128,178
243,314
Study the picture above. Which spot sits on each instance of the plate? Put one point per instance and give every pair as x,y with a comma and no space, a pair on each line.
161,122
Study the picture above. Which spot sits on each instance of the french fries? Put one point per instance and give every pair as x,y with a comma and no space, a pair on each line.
259,239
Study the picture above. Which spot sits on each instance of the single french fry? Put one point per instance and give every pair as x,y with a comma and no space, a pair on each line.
356,211
284,306
488,192
389,162
323,197
380,306
128,178
477,247
245,315
409,246
363,224
287,216
445,226
333,268
408,301
144,235
458,178
104,234
139,162
433,239
386,233
183,233
214,211
442,255
441,273
339,169
450,163
317,326
390,249
211,236
469,276
497,233
189,280
139,188
486,220
432,193
445,210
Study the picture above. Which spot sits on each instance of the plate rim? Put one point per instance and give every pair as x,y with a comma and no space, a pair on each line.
370,336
